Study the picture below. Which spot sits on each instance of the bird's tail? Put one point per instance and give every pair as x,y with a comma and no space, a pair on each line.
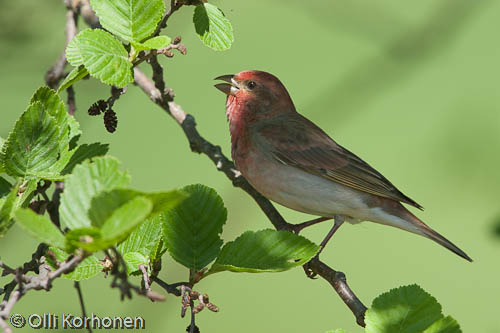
440,239
414,224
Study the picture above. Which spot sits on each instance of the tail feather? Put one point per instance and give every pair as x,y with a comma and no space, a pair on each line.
400,217
426,231
440,239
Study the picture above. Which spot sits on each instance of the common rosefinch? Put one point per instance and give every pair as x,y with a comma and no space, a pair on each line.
295,163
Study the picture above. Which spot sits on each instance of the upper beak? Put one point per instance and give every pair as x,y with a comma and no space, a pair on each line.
230,88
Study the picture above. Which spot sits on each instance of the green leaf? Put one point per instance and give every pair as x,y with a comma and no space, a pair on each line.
38,146
123,220
213,28
104,204
34,145
133,260
405,309
338,330
103,55
88,268
444,325
192,229
88,180
4,187
7,206
74,53
146,239
39,227
154,43
132,20
84,152
55,106
74,76
26,191
88,239
265,251
115,229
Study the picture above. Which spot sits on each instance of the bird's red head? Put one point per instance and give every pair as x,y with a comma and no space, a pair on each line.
254,96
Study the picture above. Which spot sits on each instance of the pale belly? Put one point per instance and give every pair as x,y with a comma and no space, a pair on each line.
304,192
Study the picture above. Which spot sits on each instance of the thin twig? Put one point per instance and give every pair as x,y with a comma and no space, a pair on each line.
145,277
163,23
56,72
82,304
169,288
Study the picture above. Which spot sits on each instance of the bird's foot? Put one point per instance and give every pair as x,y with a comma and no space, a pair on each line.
297,228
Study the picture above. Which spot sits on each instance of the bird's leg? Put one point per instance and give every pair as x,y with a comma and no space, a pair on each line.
298,227
338,221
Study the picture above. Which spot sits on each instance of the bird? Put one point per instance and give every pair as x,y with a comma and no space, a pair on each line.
293,162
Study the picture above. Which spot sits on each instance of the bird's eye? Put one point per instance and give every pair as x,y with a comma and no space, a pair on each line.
251,85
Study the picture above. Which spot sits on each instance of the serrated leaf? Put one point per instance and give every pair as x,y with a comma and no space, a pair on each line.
39,227
74,76
123,220
405,309
132,20
444,325
146,239
133,260
88,180
192,229
84,152
103,55
154,43
88,268
213,28
265,251
55,106
34,145
73,52
7,206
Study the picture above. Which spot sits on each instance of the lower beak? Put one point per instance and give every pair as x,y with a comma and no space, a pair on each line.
230,88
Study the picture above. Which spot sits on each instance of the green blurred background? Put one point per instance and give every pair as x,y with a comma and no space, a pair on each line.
411,87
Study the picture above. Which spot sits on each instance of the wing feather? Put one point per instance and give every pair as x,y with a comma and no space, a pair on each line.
297,142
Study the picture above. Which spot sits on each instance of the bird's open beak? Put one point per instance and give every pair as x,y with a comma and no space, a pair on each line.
230,88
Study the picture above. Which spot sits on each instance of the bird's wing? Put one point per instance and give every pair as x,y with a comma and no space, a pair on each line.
298,142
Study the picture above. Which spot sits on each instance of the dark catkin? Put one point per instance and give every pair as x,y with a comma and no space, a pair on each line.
98,107
94,110
102,104
110,120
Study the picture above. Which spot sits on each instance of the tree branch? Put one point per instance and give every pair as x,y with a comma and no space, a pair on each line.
56,72
164,98
174,6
